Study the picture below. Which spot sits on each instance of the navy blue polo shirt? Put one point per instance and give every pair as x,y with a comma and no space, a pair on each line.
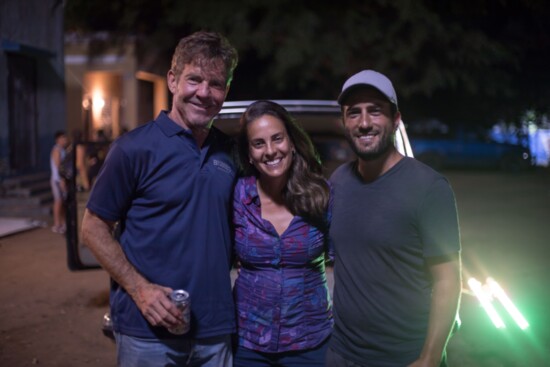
173,202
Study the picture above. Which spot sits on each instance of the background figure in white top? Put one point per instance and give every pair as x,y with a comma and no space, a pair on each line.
58,184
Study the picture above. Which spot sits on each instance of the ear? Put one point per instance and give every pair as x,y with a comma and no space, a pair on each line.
396,120
172,81
342,114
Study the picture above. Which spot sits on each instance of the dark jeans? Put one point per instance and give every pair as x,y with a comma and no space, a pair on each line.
314,357
334,359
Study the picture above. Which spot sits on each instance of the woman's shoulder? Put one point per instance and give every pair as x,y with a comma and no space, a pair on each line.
245,186
246,180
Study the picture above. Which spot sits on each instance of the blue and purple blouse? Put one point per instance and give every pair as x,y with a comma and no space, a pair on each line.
281,293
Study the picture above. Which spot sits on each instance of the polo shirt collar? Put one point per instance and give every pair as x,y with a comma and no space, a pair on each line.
168,126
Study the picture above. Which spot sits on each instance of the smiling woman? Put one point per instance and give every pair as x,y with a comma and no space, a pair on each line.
281,218
270,148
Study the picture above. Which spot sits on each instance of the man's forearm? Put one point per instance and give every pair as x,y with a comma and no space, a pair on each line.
97,235
444,307
151,299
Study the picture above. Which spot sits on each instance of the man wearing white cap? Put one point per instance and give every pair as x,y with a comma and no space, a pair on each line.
396,236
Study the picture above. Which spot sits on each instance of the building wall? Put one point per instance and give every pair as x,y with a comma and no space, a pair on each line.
33,29
107,90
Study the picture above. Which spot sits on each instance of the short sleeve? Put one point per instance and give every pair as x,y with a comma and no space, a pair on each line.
439,226
114,187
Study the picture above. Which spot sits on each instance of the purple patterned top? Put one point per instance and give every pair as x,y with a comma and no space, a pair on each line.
281,293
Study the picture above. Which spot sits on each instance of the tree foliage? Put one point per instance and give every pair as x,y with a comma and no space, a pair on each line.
460,60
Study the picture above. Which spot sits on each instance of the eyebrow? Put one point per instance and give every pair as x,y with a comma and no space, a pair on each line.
373,103
270,137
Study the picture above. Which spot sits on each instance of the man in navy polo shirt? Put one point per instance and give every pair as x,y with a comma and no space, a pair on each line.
168,185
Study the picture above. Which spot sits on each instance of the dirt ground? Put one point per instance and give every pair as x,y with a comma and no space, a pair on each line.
50,316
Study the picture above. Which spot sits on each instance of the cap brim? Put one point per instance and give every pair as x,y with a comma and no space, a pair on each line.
344,94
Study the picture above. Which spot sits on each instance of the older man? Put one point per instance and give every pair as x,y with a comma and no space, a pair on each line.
168,185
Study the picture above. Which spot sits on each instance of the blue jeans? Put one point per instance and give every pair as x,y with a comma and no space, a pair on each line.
140,352
314,357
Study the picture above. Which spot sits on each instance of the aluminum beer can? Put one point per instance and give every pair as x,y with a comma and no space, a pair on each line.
181,299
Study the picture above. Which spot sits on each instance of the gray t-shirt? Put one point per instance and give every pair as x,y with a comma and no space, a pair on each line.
382,232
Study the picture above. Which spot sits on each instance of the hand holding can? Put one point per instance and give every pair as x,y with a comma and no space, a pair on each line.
182,301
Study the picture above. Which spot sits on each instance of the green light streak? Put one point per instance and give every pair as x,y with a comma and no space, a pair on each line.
483,298
499,293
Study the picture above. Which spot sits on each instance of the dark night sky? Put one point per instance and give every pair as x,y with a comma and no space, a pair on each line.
476,62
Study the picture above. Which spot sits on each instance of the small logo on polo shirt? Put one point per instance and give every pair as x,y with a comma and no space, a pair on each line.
222,166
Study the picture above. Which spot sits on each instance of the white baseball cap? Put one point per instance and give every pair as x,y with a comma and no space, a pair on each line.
371,78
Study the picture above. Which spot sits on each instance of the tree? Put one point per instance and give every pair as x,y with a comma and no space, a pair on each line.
455,59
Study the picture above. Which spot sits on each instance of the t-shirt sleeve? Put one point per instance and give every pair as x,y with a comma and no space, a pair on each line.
439,227
114,187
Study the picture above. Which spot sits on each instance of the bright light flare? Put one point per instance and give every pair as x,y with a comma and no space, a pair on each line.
485,301
98,101
499,293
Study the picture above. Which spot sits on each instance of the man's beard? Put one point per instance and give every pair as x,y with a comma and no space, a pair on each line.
375,152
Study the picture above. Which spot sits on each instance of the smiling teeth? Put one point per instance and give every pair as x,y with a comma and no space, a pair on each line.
272,163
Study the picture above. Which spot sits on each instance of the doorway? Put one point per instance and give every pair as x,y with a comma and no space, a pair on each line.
22,114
